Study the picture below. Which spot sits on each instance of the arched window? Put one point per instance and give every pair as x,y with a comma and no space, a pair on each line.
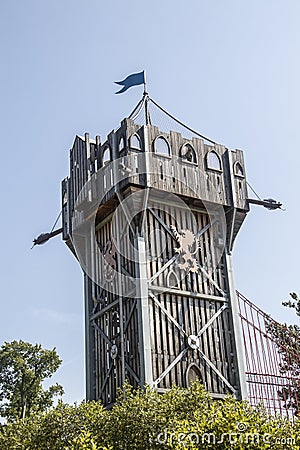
193,374
238,170
187,153
161,146
213,161
135,142
172,279
106,158
121,144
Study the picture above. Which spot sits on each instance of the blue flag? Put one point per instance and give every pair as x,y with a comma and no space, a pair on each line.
131,80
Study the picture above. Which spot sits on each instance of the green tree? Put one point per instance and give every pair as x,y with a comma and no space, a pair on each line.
288,339
23,368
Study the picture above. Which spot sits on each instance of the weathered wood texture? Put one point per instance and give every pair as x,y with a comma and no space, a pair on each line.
174,173
190,300
181,304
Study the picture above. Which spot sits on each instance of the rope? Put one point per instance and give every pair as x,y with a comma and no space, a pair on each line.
253,191
56,221
146,102
181,123
137,109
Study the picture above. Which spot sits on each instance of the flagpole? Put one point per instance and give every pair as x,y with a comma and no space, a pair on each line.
145,83
146,97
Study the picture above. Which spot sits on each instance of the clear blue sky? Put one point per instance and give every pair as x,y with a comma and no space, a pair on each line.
230,69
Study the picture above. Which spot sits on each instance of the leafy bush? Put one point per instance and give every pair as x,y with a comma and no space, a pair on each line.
179,419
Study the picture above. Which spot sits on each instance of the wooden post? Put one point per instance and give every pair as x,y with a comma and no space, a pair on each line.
237,331
143,308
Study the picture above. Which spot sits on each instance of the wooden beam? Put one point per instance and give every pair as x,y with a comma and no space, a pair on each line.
168,290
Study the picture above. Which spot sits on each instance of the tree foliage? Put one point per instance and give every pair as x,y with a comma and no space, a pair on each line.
288,339
179,419
23,368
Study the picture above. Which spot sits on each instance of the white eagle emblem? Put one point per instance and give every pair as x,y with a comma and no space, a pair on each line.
187,242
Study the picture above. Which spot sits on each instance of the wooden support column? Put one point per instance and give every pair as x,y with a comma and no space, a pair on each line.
90,374
143,312
120,293
147,150
237,331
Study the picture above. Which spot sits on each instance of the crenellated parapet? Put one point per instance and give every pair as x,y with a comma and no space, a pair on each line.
169,162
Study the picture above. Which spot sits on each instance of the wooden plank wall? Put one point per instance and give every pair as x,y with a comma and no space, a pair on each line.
190,312
173,174
107,325
179,176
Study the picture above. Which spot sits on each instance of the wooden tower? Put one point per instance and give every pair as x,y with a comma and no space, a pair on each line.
152,217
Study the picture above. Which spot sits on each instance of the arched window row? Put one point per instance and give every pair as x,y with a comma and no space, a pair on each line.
186,152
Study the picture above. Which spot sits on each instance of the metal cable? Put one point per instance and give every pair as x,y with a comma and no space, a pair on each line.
181,123
56,221
137,109
253,191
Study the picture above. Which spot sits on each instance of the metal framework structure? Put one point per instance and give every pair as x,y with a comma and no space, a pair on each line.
272,355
